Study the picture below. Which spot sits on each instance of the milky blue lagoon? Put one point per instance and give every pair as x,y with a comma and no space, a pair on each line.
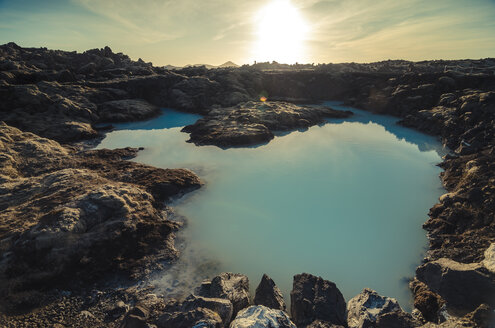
344,200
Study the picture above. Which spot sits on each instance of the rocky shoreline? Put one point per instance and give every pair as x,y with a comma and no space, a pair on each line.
79,228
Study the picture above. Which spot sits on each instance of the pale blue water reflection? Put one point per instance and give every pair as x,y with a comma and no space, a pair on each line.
345,201
169,118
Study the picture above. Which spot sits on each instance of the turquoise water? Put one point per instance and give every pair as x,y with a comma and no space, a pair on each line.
344,200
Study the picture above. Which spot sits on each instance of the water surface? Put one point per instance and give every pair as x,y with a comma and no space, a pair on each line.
344,200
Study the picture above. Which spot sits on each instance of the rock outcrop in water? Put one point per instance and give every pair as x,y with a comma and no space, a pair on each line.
253,123
66,205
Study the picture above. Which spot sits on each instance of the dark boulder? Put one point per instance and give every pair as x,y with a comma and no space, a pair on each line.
313,298
220,306
136,318
322,324
396,319
427,302
463,286
196,310
269,295
369,309
201,317
231,286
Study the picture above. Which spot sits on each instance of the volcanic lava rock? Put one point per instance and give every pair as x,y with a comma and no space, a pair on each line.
199,317
74,216
313,298
259,316
196,310
231,286
463,286
222,306
253,123
269,295
136,318
427,302
368,309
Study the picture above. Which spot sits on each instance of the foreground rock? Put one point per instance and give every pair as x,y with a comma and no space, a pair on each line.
481,317
259,316
253,123
197,310
313,298
231,286
429,304
223,307
463,286
269,295
71,218
199,317
368,309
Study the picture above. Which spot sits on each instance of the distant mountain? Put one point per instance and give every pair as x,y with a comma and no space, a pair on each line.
206,65
228,64
171,67
224,65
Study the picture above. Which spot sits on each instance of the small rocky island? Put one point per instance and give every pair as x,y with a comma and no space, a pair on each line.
81,230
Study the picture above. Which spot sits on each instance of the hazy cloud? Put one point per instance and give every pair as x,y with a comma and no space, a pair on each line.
180,32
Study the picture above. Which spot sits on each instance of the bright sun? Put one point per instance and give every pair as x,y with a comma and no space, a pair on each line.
281,33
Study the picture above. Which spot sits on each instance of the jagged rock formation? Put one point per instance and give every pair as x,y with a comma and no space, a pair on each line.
231,286
368,309
313,298
269,295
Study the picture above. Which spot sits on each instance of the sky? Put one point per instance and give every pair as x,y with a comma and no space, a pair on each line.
181,32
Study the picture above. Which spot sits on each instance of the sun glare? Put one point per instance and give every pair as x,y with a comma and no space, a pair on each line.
281,33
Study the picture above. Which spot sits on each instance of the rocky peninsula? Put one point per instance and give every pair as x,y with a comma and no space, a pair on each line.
80,229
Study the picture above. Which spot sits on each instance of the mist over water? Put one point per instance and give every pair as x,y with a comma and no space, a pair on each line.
344,200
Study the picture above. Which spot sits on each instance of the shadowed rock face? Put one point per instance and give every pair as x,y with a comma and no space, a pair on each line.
69,216
313,298
368,309
269,295
463,286
427,302
252,123
198,317
231,286
195,310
